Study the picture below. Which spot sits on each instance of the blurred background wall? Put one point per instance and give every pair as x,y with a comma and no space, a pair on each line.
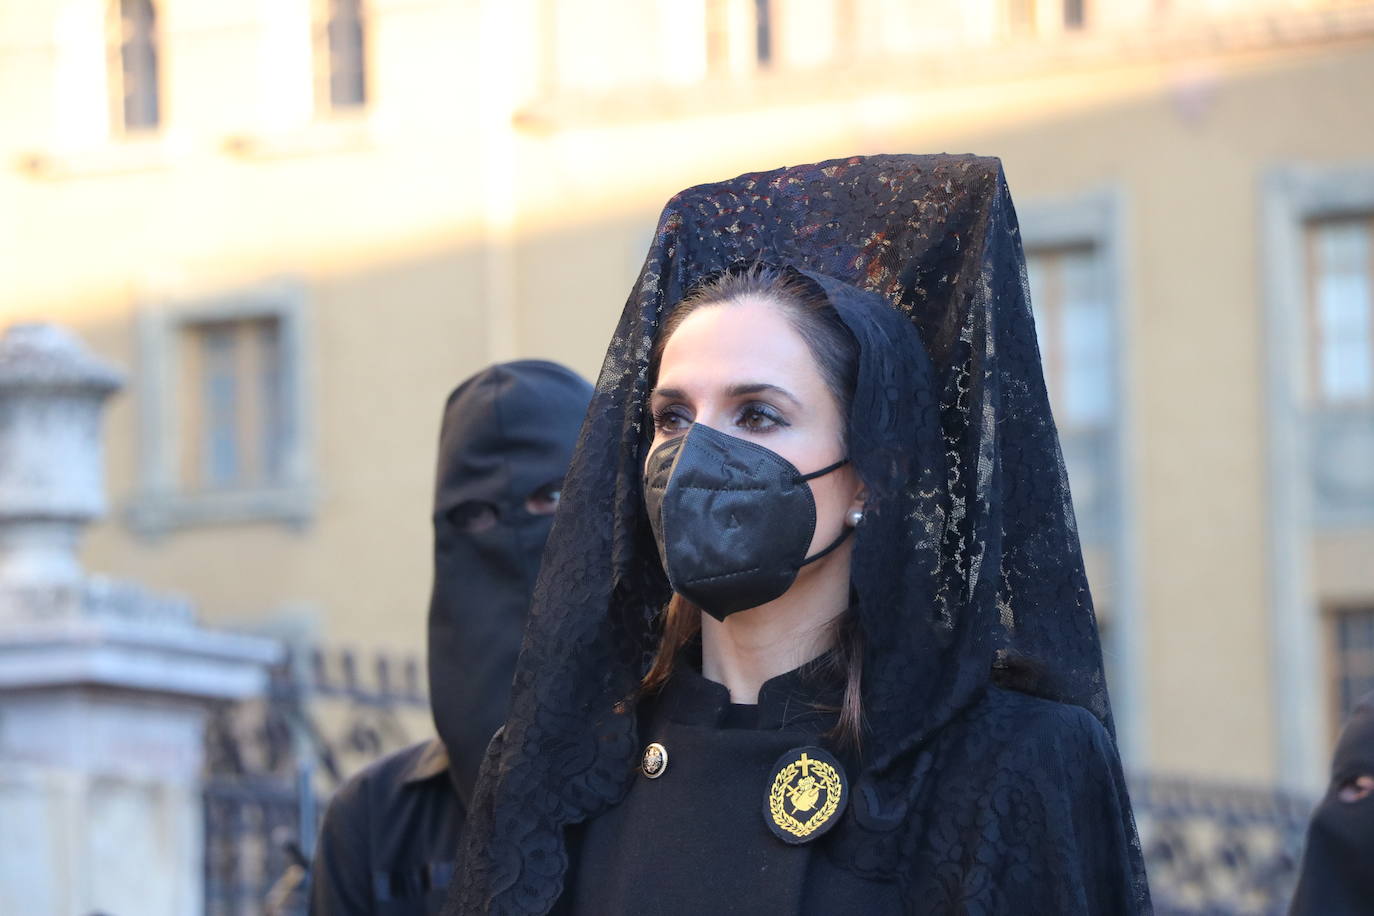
299,223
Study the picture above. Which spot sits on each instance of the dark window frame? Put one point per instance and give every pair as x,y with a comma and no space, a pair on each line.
341,55
135,66
763,33
1341,619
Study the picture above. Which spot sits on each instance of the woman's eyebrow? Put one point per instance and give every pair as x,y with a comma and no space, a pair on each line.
743,389
748,388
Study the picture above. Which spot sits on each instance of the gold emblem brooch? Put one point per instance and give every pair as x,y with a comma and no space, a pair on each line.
807,796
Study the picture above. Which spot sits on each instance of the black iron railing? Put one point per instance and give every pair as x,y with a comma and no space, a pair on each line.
270,761
1218,849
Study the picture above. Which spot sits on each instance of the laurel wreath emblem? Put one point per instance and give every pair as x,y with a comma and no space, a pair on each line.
829,779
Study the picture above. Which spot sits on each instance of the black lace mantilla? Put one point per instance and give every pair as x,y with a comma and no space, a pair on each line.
967,568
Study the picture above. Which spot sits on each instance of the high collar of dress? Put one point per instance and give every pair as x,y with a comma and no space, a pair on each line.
807,697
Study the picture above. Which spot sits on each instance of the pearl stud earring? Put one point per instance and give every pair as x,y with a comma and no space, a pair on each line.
856,517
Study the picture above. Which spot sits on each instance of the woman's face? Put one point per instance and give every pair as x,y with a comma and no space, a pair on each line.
741,369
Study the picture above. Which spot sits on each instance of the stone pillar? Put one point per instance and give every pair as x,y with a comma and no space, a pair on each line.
104,686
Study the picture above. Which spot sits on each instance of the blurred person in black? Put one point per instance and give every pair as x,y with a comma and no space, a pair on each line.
390,834
1337,877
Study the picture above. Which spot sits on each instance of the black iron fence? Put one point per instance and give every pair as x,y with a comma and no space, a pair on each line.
1209,849
271,761
1217,849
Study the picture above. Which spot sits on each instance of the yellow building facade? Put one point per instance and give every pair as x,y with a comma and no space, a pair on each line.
298,224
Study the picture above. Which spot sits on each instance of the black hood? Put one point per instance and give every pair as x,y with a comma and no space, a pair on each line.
1338,864
507,436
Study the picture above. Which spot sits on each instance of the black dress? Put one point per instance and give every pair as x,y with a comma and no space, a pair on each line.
695,839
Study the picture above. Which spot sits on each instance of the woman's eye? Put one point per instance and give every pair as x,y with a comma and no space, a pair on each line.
757,417
671,419
544,501
474,516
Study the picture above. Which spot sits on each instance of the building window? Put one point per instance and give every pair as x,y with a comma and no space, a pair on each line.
224,416
1341,319
1319,458
1073,323
1074,14
237,428
1352,656
763,32
1074,268
1340,375
134,66
1074,328
740,36
341,54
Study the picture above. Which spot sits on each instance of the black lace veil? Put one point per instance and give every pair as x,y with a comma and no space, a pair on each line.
967,568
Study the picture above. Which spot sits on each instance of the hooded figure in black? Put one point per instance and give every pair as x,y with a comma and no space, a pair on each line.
388,839
1337,876
986,778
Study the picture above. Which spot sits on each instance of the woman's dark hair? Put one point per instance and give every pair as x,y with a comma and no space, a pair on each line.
801,299
836,352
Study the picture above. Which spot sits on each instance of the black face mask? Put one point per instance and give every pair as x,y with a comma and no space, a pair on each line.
733,520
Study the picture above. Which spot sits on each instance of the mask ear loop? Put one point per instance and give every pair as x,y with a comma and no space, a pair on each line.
833,544
847,529
823,471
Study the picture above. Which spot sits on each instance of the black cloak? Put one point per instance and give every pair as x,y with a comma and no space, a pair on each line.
390,833
1337,877
967,572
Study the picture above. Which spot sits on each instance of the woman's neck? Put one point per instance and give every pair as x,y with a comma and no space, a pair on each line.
750,647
